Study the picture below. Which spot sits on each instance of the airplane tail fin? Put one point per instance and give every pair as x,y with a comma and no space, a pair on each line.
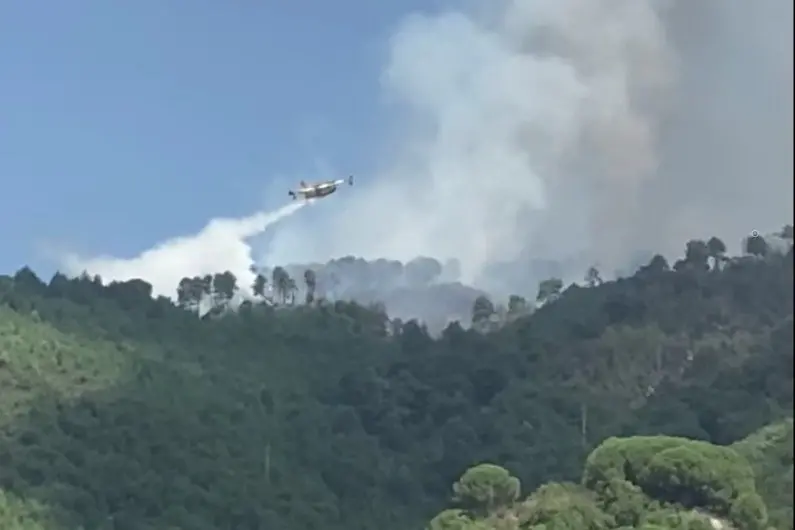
350,180
291,194
303,184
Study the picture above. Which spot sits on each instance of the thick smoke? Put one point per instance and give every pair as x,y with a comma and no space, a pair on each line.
580,131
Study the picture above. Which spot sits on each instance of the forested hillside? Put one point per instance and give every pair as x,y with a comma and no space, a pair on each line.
650,483
120,411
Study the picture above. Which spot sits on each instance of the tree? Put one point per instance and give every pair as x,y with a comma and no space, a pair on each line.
185,293
224,287
311,283
786,233
657,265
565,506
259,285
190,292
756,245
292,289
549,290
486,487
697,254
717,250
420,272
281,283
517,306
482,310
451,520
749,512
592,277
28,281
204,286
59,285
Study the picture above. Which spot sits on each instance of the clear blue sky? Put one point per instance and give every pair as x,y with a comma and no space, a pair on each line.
124,123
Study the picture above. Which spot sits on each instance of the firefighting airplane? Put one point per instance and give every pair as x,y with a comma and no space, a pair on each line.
322,189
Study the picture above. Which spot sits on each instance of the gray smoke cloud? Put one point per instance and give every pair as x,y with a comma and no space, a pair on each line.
579,131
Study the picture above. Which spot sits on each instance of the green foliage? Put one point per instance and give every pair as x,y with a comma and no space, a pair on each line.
118,410
564,507
549,290
717,474
770,452
624,501
16,514
451,520
676,471
486,487
673,519
682,484
748,511
482,311
624,459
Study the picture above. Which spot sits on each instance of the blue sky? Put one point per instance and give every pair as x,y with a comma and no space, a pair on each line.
124,123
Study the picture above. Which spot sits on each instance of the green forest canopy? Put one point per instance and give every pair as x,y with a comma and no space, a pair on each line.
652,482
121,411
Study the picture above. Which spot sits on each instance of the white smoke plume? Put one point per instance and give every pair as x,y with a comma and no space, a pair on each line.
586,129
220,246
581,130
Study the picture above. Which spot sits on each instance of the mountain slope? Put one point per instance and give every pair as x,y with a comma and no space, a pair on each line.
123,411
